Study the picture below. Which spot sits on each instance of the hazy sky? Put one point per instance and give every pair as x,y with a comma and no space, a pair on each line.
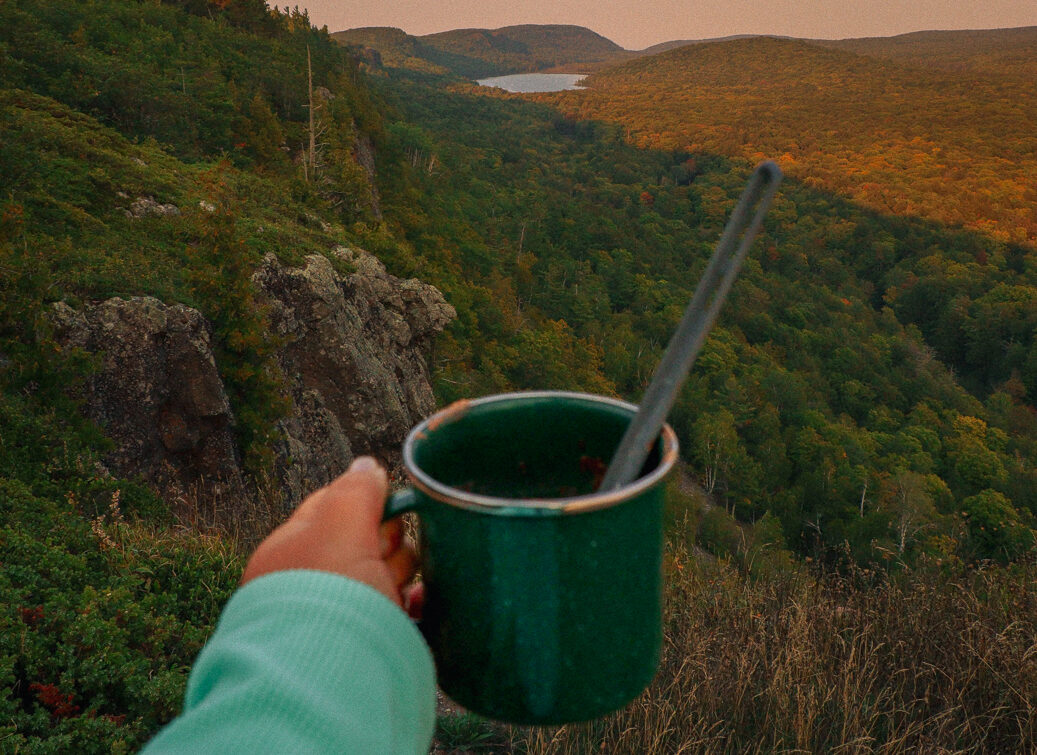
636,24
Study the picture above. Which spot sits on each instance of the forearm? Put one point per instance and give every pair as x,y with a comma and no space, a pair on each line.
305,661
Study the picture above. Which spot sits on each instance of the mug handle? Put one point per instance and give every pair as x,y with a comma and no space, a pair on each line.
400,502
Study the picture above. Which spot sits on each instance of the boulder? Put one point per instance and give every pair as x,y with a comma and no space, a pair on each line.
156,392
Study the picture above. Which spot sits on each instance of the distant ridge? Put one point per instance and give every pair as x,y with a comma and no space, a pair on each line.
1012,50
674,44
775,63
476,53
554,42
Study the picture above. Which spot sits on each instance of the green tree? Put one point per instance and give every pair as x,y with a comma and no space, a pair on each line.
995,528
260,134
714,443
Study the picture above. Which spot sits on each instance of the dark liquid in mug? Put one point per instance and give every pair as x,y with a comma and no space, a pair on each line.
526,481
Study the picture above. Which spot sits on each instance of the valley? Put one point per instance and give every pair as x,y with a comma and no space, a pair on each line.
860,428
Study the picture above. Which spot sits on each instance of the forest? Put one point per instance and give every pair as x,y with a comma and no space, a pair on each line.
858,434
817,400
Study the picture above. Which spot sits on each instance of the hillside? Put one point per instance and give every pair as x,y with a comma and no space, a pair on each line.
144,153
675,43
393,48
951,148
997,51
478,53
517,49
887,135
810,360
817,415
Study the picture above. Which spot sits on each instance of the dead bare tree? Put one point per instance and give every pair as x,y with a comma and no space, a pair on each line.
310,162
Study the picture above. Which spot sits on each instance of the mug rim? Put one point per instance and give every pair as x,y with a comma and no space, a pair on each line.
530,506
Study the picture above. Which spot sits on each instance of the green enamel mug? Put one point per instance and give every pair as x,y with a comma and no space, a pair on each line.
543,598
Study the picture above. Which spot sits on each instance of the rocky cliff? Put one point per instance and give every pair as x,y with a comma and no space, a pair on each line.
354,360
353,363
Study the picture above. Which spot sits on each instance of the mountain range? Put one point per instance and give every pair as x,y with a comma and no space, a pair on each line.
478,53
474,53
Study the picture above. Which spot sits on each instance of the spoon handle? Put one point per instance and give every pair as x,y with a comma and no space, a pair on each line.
698,318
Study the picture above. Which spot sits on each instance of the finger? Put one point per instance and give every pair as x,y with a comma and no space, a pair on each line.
366,485
402,565
351,506
390,536
414,600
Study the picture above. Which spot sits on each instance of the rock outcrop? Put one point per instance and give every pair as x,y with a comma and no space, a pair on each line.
363,153
142,207
157,393
352,357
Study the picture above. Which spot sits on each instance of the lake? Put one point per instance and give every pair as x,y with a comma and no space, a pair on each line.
534,82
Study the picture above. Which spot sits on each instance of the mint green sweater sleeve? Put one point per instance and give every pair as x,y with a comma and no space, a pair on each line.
307,662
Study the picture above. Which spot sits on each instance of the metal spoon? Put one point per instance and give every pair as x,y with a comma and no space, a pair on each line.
698,318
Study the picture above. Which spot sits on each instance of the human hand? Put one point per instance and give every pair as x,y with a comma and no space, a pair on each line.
339,529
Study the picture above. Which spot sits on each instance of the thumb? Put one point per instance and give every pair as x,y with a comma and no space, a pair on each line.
333,530
353,503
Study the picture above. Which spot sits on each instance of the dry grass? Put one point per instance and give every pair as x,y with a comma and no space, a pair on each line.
932,661
240,514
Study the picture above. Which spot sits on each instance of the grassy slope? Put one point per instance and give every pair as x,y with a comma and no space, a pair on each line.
74,177
935,661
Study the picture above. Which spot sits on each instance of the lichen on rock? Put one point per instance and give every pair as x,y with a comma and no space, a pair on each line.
144,206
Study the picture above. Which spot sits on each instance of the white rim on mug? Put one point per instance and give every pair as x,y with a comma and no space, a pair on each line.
529,506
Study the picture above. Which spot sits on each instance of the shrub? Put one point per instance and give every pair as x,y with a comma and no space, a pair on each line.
100,619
